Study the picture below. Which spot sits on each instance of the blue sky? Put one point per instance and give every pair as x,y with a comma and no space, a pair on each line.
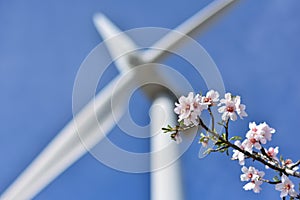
42,44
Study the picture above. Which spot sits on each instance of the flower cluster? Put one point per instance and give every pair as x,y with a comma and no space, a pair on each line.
254,177
255,137
189,110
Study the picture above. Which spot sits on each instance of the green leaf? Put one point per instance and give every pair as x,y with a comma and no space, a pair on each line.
223,136
166,130
221,123
275,178
281,158
181,123
235,138
224,150
202,139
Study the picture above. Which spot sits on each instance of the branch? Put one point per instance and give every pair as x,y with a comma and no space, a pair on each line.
270,164
296,164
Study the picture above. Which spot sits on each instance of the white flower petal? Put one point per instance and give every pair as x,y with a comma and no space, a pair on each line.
249,186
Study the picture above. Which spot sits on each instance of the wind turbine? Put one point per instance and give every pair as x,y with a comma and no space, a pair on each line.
67,147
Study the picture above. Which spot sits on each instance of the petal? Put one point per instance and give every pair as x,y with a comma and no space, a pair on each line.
186,122
252,125
257,189
237,100
181,100
241,157
222,109
257,146
177,110
261,174
283,193
293,193
210,93
244,177
238,143
276,150
249,186
284,178
233,116
244,169
190,96
279,186
225,116
228,96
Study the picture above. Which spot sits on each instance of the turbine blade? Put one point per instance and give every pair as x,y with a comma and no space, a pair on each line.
194,24
50,163
87,128
119,45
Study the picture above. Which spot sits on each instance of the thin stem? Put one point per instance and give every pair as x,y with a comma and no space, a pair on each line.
226,129
262,150
270,182
218,149
212,119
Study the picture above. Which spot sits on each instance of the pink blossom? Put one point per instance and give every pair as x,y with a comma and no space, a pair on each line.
258,134
211,97
237,155
286,187
231,105
189,108
253,185
266,132
272,152
252,175
289,163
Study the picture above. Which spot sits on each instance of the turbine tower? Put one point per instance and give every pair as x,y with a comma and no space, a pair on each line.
66,147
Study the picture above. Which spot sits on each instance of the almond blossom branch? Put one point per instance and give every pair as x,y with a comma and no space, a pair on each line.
189,110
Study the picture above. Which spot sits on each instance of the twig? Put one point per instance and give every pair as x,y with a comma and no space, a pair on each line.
212,119
270,164
296,164
218,149
226,129
270,182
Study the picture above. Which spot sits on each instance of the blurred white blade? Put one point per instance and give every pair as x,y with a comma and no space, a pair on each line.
119,45
170,41
87,128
